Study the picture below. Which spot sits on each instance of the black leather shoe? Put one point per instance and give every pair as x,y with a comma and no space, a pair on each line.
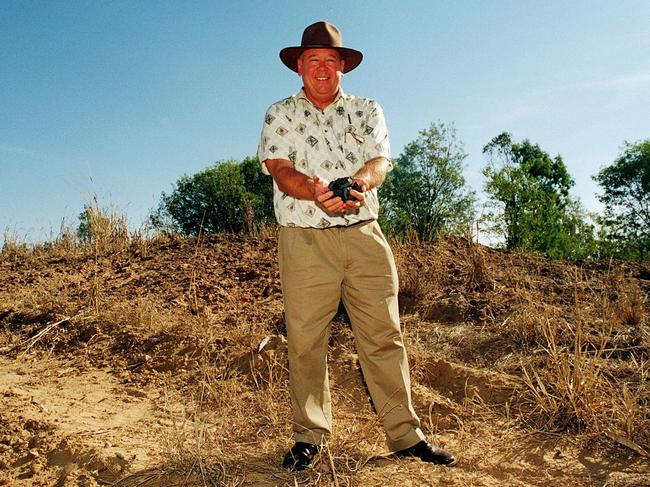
300,456
429,453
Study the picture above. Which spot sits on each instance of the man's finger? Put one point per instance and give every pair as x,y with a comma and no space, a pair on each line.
323,197
359,196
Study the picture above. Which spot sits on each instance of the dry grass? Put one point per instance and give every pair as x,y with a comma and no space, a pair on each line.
417,276
104,229
585,366
12,247
478,275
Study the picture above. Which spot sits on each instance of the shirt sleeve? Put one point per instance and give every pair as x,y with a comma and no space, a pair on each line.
376,142
275,140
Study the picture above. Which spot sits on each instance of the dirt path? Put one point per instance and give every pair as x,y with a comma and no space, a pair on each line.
54,414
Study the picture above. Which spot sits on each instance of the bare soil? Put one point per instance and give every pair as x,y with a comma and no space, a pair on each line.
163,363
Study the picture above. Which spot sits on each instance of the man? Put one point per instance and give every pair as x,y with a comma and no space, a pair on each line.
331,247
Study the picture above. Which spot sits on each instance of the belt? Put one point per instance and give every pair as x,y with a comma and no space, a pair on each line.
356,224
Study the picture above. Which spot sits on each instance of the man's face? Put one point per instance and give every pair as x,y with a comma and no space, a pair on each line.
321,70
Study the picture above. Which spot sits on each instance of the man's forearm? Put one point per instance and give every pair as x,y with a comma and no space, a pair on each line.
290,181
373,172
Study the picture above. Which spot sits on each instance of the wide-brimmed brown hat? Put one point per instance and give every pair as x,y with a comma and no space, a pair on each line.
321,35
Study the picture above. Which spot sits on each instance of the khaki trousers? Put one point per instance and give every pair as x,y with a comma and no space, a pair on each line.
318,268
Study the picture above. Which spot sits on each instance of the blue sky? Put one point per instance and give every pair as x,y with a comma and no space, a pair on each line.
121,98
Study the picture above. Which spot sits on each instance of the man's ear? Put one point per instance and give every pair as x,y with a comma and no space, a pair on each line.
342,66
299,63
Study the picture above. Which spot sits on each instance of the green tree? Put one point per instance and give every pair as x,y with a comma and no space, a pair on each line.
259,187
230,196
625,224
529,199
426,191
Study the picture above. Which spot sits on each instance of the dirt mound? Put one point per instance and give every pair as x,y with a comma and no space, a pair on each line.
163,362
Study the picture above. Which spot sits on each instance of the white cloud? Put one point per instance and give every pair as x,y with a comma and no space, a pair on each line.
577,99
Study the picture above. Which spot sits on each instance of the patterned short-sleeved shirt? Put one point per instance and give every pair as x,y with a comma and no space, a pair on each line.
330,143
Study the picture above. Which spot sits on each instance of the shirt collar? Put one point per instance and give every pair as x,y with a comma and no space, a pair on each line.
302,95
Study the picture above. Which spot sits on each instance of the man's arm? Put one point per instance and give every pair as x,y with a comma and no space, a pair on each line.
372,174
289,180
296,184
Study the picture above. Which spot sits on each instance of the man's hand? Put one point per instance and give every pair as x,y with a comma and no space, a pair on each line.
364,187
325,198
